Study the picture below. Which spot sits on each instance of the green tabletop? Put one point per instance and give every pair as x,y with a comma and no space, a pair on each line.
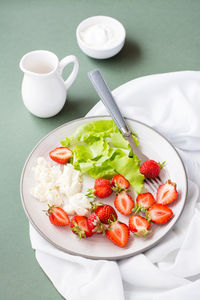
162,36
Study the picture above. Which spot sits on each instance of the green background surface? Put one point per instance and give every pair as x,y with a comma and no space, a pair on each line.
162,36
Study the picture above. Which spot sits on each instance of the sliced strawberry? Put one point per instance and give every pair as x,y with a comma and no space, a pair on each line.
118,233
102,188
58,216
79,226
139,225
124,203
145,200
166,193
60,155
150,168
106,213
119,183
159,213
95,225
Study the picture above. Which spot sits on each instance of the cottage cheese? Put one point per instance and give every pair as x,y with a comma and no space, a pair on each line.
60,186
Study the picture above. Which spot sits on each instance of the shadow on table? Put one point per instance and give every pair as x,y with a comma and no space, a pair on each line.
129,55
72,109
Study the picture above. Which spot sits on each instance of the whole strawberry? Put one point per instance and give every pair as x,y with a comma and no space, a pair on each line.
79,226
95,225
106,213
102,188
151,169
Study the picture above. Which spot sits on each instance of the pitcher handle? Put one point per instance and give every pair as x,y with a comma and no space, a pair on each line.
63,63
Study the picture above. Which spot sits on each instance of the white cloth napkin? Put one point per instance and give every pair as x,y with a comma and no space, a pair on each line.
171,270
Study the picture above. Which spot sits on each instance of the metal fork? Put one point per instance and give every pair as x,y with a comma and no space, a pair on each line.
107,98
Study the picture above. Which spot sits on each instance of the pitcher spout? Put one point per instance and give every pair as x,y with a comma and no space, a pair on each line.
39,63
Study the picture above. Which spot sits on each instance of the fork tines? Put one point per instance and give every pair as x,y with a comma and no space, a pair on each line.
152,184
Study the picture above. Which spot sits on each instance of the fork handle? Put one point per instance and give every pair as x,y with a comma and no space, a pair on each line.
107,98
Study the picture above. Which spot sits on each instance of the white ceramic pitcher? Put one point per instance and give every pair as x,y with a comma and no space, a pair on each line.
44,91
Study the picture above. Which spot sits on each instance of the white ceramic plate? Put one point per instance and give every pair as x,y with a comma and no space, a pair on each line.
153,145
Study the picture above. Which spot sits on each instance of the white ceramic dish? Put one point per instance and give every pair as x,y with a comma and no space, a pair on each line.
153,145
95,51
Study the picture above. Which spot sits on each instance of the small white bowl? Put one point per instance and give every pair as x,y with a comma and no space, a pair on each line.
106,51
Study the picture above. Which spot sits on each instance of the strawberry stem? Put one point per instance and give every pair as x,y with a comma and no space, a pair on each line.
170,182
49,210
100,228
147,216
136,209
112,221
162,164
90,194
94,205
76,229
117,189
142,233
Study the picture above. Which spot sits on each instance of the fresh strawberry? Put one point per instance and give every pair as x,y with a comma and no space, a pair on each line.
145,200
102,188
57,216
139,225
95,225
79,226
151,169
166,193
118,233
159,213
119,183
61,155
124,203
106,213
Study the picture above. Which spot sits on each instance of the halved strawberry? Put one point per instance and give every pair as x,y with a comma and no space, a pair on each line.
124,203
106,213
95,225
57,216
79,226
166,193
119,183
139,225
60,155
145,200
102,188
159,213
118,233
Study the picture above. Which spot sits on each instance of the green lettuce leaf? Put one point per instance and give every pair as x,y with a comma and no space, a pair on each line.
100,150
129,167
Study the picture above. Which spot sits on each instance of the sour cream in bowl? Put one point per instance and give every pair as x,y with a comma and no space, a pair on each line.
100,37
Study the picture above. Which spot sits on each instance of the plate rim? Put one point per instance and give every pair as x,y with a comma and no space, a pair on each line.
91,256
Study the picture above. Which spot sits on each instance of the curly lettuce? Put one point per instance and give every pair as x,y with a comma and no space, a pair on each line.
100,150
